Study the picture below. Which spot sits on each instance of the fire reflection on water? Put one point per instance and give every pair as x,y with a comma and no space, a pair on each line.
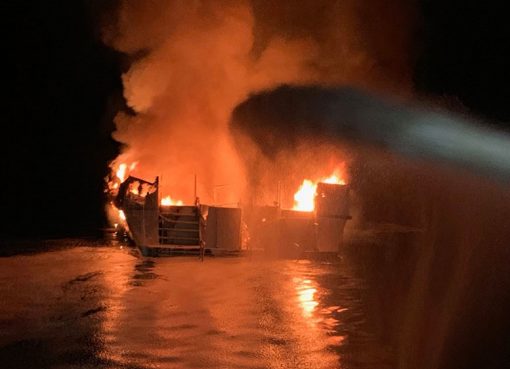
142,313
306,293
321,320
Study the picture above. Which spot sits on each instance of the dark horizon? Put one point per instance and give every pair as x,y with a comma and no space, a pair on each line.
65,88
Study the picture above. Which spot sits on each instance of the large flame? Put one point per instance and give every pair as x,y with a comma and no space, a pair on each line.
119,173
179,120
304,198
122,170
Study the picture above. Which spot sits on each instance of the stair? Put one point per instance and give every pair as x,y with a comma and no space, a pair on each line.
179,226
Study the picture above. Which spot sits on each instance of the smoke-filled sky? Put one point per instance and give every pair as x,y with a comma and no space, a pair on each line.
181,66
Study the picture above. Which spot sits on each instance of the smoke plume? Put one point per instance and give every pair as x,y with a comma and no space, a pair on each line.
194,61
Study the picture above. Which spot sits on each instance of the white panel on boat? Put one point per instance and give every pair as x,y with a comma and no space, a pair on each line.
223,228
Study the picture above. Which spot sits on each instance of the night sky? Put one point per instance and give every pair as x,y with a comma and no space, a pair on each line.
64,88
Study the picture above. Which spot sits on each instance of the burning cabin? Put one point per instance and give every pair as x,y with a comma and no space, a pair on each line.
169,229
289,232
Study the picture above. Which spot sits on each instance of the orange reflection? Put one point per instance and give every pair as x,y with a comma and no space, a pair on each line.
306,292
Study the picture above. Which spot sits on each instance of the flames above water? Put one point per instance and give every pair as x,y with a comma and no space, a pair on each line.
120,173
122,170
304,198
305,195
193,62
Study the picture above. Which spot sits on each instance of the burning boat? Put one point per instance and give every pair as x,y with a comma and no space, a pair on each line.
160,226
164,226
315,227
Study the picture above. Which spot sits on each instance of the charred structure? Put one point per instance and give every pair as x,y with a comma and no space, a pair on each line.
159,229
288,232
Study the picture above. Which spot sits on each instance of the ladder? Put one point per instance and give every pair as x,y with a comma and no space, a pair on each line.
179,226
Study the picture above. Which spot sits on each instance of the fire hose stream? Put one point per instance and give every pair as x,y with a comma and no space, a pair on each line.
405,129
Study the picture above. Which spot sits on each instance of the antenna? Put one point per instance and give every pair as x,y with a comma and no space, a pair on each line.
278,193
195,199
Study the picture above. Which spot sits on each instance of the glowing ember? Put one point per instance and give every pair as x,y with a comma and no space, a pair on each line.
122,215
134,188
304,198
168,201
334,179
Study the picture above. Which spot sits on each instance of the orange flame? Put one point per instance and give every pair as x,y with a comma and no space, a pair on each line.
168,201
133,188
305,195
121,172
118,175
335,178
304,198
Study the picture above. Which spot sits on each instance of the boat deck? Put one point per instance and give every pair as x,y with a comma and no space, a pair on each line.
168,250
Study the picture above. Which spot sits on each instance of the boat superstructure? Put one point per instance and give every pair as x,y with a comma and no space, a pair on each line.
217,230
176,229
292,232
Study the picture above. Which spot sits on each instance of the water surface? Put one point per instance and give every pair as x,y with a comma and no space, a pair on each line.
106,307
